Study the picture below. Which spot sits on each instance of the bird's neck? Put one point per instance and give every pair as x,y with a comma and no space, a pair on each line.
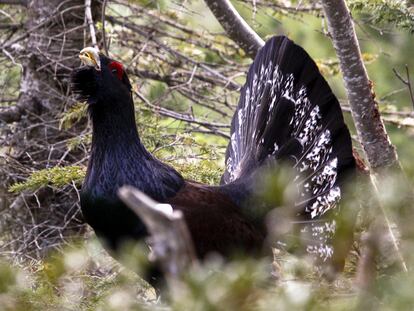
118,157
114,129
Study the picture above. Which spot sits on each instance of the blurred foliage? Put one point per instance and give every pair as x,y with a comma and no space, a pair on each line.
72,280
81,276
397,12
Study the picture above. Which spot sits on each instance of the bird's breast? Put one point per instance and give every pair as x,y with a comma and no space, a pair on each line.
111,220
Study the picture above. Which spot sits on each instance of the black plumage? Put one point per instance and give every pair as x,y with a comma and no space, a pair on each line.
286,112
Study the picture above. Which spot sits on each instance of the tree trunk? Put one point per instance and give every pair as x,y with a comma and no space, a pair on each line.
378,148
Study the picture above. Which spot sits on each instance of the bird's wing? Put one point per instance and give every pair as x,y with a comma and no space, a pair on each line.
215,222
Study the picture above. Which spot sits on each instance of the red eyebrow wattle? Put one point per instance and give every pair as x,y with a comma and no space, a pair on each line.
119,68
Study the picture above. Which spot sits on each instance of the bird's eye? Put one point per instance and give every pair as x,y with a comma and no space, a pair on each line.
116,69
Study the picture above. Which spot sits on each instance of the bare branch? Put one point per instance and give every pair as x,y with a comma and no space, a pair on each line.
184,117
12,58
8,100
229,83
235,26
407,81
275,5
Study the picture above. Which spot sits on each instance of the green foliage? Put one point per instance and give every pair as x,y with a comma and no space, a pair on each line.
73,115
70,281
205,171
328,67
55,176
394,12
75,142
157,90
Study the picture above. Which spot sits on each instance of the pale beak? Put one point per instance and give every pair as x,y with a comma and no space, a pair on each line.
90,57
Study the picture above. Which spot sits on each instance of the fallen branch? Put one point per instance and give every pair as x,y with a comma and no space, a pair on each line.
170,241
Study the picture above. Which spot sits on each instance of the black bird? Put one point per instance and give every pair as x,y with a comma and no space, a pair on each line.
287,112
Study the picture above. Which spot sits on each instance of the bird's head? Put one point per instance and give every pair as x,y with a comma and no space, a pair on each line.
102,80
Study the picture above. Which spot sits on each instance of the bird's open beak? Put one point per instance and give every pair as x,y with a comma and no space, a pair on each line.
90,57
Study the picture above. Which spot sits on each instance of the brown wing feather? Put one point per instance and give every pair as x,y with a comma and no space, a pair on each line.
215,223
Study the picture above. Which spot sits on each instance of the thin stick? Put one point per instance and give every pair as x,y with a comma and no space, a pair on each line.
89,21
105,45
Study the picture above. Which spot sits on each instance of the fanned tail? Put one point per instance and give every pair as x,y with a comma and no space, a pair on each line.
288,111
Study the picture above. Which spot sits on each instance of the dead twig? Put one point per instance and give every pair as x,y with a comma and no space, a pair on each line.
406,81
89,21
105,45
